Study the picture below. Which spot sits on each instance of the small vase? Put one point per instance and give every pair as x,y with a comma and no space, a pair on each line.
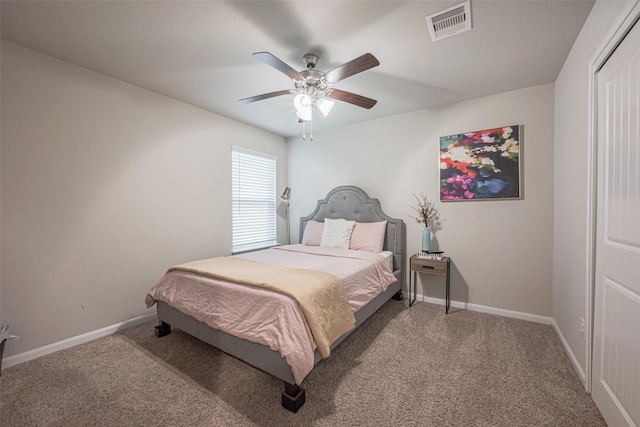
426,239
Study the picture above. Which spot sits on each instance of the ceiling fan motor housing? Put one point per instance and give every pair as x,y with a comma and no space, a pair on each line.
310,60
312,78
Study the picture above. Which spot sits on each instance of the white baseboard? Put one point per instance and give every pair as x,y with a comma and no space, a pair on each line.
80,339
572,356
490,310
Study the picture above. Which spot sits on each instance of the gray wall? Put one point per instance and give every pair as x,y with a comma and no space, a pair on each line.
104,186
570,274
501,250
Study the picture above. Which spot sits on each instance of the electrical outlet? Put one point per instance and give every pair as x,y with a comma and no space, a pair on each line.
582,327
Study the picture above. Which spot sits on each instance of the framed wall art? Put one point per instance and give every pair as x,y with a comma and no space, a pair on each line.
481,165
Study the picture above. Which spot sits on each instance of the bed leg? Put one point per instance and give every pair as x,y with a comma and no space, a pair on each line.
292,397
163,329
398,296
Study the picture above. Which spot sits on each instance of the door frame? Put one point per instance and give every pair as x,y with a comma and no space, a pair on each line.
626,20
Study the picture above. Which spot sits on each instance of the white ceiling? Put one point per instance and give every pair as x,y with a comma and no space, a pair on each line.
200,52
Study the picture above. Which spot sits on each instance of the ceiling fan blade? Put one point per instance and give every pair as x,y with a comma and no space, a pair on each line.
264,96
276,63
355,66
352,98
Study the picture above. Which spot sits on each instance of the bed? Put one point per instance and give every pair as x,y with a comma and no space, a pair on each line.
342,203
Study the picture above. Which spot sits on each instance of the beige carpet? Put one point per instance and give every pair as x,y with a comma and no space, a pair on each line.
403,367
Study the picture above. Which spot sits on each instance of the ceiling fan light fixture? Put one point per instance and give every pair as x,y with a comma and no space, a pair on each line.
304,115
302,102
325,106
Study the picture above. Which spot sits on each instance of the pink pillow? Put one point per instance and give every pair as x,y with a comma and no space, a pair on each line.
368,236
313,233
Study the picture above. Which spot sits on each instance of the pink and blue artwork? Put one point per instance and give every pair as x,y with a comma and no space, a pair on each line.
481,165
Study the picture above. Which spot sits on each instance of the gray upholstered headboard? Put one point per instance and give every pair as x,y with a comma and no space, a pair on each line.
352,203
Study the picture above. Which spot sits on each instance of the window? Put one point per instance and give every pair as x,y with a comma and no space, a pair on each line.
254,199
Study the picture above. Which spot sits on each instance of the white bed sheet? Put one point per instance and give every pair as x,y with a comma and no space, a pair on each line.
388,255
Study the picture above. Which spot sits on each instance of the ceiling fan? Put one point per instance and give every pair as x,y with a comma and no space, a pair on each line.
314,87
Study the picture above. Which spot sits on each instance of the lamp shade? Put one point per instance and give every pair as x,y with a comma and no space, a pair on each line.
325,106
286,194
302,102
304,115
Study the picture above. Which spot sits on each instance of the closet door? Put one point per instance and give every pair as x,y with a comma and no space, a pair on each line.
616,339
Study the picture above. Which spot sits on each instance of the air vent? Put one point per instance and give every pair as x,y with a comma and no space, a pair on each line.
451,21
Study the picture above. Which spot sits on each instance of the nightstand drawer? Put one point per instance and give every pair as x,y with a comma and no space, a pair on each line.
439,267
434,266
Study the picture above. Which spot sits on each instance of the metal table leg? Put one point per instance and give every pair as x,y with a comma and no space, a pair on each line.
413,290
448,278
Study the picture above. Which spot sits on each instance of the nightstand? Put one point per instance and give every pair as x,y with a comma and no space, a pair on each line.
441,267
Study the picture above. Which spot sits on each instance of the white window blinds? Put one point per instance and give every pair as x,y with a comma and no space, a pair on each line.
254,199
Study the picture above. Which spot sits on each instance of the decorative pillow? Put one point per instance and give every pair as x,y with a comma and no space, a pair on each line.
312,233
337,233
368,236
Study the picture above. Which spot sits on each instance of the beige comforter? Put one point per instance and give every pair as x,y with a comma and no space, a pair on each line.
321,295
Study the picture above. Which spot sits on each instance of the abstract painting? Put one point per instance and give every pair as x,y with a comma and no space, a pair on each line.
481,165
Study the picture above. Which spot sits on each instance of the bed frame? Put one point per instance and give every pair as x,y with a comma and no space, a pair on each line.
346,202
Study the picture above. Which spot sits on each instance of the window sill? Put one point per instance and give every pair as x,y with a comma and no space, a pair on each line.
254,248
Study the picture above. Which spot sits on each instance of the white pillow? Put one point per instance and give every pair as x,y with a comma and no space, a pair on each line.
337,233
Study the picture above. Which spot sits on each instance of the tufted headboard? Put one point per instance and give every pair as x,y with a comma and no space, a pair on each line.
352,203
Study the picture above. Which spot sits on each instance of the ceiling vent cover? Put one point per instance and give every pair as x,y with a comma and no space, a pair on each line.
451,21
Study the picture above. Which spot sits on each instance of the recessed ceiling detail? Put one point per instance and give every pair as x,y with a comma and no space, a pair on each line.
449,22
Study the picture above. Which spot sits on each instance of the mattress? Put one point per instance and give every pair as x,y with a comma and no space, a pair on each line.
388,256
